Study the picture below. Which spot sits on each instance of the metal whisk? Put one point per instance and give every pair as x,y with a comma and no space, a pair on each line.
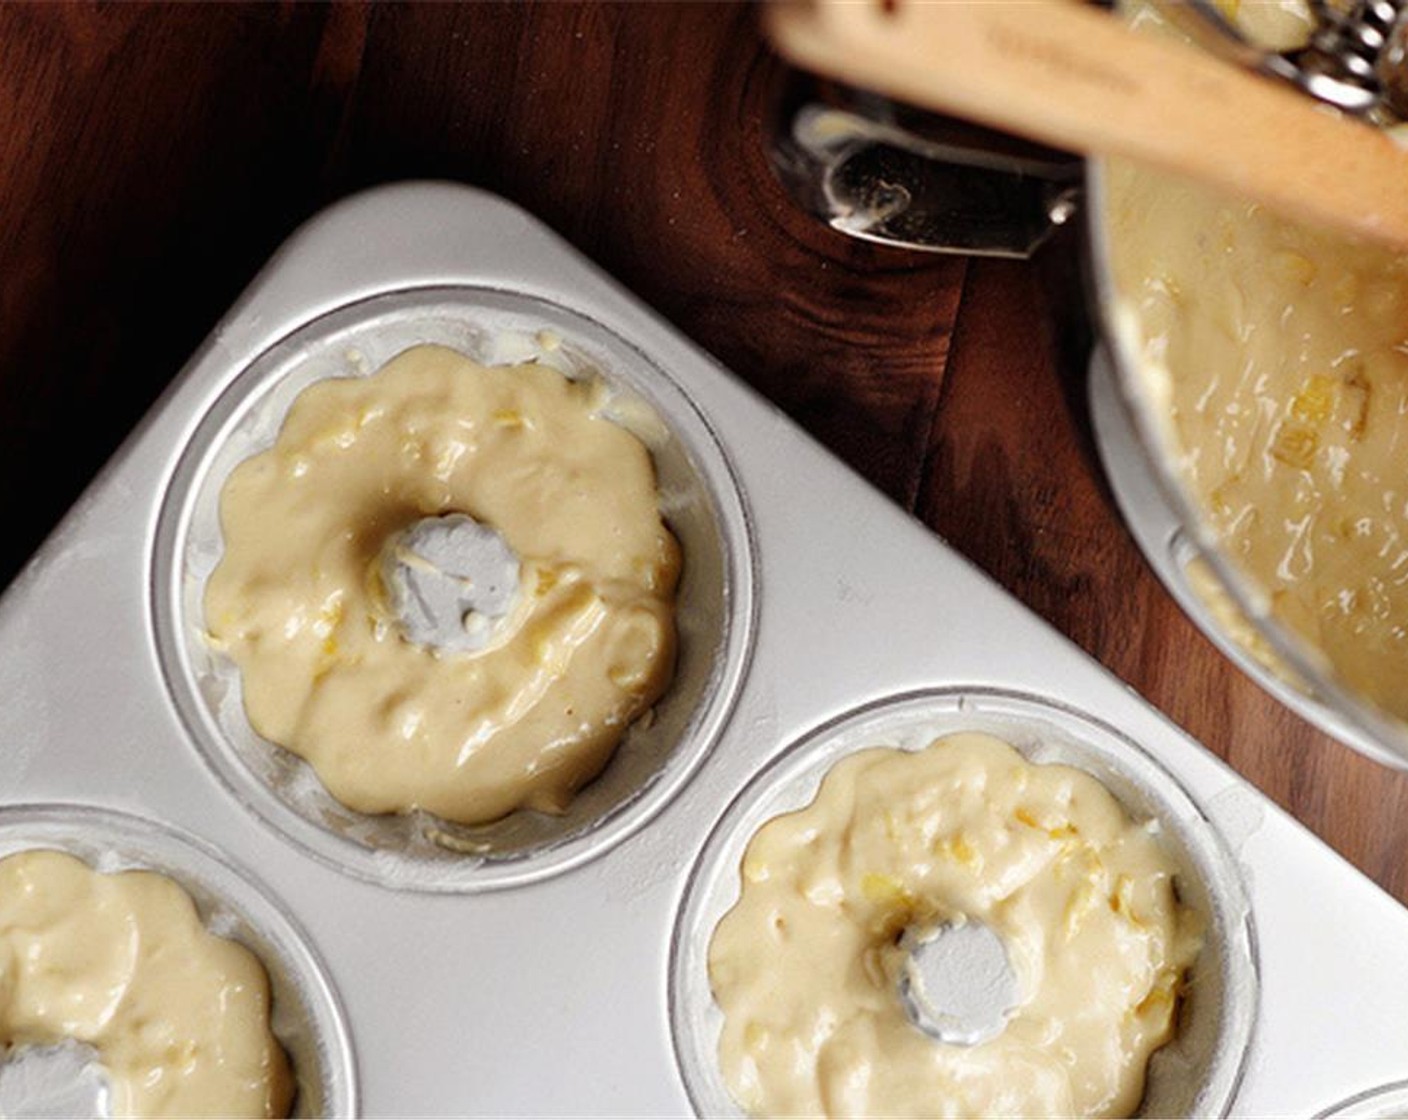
1354,60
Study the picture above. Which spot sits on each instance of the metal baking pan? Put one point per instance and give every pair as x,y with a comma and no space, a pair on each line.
544,967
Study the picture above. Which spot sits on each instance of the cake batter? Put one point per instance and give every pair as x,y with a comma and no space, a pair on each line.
1276,358
392,724
178,1016
806,966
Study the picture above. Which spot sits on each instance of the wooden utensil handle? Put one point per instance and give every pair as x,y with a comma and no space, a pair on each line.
1071,75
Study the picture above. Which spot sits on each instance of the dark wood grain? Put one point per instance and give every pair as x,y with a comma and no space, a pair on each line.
149,162
152,156
640,134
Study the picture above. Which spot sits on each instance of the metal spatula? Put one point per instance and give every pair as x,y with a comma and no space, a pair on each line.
1067,74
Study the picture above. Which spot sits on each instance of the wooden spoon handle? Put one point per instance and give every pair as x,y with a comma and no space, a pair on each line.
1070,75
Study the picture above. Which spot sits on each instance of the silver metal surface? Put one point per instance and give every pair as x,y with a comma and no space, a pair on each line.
1354,58
1383,1102
871,175
449,582
957,984
474,1003
54,1082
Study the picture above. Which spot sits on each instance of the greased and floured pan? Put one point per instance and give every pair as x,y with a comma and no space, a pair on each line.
555,967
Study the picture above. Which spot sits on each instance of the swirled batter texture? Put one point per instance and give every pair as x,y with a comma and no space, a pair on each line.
178,1016
1082,896
390,726
1277,361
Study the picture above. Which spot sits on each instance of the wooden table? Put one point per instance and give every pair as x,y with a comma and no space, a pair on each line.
152,157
